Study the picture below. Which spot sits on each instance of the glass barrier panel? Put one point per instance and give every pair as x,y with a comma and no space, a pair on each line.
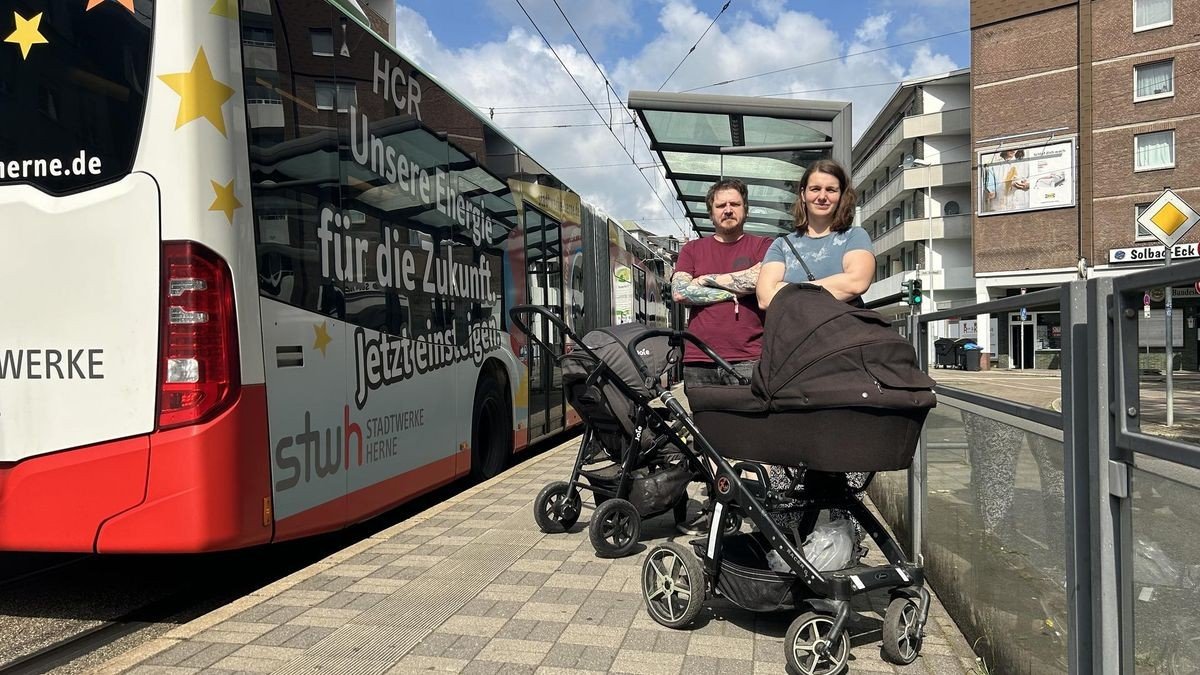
1169,405
994,537
1015,356
1166,567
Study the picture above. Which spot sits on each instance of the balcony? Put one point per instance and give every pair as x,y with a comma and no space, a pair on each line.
260,55
948,279
955,121
265,113
915,178
917,229
884,153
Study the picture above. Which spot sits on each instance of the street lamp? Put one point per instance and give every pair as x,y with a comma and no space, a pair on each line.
910,162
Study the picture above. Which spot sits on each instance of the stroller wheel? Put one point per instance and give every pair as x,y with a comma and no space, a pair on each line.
902,632
557,507
615,528
672,584
733,523
809,651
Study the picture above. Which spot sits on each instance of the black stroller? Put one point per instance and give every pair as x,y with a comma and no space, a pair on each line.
631,471
828,371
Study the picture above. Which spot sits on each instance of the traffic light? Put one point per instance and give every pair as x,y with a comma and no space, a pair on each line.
912,292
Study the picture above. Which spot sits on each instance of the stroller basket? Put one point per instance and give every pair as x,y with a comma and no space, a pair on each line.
652,489
746,579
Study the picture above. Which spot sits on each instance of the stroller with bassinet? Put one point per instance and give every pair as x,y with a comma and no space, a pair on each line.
836,391
632,472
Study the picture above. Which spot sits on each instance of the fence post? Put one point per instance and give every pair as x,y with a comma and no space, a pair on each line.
1078,382
1105,510
916,472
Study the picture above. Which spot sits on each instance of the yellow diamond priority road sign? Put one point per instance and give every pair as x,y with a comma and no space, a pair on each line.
1169,218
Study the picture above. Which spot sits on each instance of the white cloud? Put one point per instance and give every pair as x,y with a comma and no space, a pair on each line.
925,63
596,21
770,8
521,71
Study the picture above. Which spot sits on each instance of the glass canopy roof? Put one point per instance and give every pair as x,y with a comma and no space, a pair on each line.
765,142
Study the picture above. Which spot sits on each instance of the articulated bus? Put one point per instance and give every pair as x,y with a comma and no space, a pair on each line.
256,267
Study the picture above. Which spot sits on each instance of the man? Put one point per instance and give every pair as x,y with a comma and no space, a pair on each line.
715,276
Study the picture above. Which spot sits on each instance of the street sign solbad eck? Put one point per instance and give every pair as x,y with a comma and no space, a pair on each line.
1168,218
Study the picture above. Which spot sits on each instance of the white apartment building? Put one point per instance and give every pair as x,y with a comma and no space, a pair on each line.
912,170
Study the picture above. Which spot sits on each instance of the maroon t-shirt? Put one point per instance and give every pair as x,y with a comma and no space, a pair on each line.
734,331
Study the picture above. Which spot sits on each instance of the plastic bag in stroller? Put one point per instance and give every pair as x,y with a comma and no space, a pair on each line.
633,471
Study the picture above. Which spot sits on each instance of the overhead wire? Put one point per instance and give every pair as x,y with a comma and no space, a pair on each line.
553,51
637,130
569,108
829,60
689,52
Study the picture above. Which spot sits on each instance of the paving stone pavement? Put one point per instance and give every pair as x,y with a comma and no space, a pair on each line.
472,586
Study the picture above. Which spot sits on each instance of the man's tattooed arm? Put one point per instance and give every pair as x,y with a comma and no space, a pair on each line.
741,283
685,290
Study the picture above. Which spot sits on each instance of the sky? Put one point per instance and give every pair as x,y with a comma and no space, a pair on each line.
492,54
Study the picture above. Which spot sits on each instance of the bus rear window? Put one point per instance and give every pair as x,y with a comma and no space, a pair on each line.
73,82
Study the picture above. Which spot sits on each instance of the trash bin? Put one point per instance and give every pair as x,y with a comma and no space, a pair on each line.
961,346
943,350
971,359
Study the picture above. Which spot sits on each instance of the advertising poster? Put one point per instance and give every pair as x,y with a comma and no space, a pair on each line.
623,294
1027,178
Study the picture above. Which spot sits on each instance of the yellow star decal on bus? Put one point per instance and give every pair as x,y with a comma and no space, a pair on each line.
200,94
225,8
127,4
322,341
226,200
27,35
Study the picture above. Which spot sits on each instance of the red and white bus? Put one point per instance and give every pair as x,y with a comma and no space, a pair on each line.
256,266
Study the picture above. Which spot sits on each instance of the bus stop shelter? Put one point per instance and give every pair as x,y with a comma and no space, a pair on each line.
765,142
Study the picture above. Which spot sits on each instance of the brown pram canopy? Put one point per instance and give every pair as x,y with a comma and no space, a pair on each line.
837,390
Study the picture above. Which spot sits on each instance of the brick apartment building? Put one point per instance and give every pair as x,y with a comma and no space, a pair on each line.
1082,113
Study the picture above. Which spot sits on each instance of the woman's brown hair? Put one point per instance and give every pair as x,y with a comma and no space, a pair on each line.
843,217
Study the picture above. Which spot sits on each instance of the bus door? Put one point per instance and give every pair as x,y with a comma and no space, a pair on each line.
543,255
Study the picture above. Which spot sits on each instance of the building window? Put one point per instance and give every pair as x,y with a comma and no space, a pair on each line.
1154,80
1154,151
1149,14
341,95
1141,233
322,41
262,37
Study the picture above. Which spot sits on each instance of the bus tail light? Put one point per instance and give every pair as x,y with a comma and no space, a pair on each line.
199,371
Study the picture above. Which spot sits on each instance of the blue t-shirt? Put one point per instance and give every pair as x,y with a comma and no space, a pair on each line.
823,255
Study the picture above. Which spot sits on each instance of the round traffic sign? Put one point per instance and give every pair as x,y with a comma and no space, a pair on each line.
1196,286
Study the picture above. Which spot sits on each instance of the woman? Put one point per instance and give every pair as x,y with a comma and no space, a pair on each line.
824,250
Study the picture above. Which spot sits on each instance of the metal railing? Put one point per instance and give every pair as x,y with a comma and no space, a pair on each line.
1091,563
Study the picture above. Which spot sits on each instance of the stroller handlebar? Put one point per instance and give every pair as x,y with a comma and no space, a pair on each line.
520,314
677,338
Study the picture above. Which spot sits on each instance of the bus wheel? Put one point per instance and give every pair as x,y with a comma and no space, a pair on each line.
491,430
